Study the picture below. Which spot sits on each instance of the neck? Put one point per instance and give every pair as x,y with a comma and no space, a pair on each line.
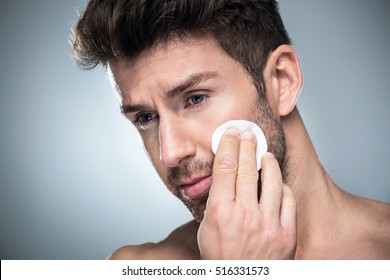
314,191
305,173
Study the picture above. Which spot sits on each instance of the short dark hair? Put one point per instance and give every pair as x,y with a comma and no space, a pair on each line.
247,30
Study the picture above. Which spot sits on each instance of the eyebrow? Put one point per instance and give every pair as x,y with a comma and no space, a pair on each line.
190,82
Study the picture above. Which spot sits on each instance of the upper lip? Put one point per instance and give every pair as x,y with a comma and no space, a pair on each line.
191,181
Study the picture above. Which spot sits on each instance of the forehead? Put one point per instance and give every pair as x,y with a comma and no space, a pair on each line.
168,64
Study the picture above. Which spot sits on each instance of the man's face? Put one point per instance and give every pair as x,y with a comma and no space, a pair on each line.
177,94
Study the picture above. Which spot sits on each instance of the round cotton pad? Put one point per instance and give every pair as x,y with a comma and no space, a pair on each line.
241,126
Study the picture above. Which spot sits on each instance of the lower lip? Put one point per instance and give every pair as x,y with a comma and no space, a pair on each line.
198,189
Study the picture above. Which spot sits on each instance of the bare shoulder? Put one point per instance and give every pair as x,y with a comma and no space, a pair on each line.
180,244
377,212
374,217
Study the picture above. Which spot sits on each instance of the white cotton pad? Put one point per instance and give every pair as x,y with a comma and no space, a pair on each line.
241,126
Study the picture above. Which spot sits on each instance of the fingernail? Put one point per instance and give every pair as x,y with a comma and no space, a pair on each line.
248,135
268,155
232,131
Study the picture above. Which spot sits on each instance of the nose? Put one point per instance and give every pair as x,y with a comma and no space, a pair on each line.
176,141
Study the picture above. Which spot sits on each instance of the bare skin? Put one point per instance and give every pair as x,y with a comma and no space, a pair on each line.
361,232
307,216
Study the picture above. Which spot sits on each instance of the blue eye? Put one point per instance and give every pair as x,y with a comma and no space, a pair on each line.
196,99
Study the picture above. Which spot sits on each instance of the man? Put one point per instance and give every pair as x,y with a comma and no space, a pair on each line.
182,68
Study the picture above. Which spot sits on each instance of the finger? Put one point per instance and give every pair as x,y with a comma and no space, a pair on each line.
225,167
247,175
288,212
272,187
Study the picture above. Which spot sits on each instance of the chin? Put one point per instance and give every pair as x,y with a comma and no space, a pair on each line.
197,208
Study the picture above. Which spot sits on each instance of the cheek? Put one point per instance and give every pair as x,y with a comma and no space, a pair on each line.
238,103
234,111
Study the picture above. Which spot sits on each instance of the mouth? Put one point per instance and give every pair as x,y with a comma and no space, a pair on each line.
196,188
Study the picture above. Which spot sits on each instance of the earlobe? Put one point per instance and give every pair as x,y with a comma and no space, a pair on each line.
287,78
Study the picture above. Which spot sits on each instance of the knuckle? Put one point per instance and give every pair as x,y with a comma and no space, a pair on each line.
217,211
246,214
269,235
248,171
249,220
225,165
273,184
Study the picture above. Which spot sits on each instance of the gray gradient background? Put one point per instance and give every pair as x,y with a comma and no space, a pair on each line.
74,180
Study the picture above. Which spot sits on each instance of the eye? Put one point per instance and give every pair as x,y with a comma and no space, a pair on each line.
196,99
145,118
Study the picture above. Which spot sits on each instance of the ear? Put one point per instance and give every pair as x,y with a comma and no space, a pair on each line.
283,78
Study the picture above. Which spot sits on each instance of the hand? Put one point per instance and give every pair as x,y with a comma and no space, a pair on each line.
236,225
